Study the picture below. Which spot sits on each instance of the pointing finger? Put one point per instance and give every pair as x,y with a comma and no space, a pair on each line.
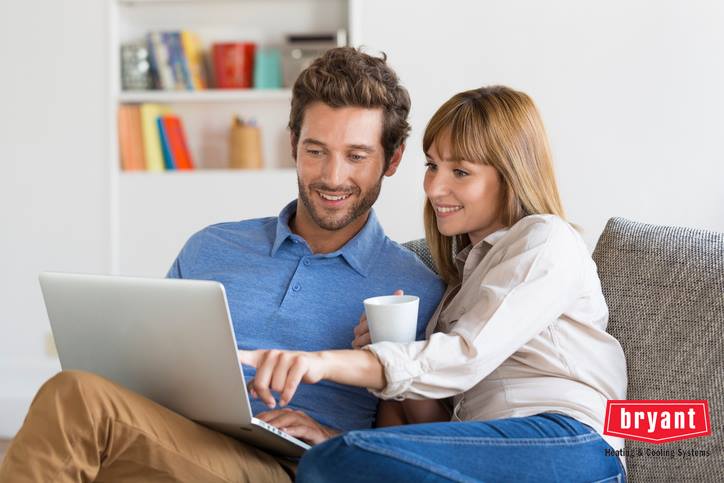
262,380
294,377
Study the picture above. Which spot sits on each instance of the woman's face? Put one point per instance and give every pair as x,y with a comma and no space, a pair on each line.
465,195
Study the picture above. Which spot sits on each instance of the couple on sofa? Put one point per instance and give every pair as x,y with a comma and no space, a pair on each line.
509,377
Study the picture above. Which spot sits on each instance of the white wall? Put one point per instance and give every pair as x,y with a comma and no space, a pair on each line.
53,186
632,94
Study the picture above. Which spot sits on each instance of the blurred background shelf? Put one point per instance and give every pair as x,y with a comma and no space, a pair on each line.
154,213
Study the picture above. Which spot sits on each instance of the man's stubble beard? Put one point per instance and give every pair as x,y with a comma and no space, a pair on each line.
361,207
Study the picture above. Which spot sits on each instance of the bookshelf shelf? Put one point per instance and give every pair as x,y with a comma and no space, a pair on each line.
206,96
211,174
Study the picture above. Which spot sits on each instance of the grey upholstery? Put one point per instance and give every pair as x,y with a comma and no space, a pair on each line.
665,290
419,248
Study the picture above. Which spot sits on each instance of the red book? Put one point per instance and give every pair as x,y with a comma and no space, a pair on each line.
177,142
233,64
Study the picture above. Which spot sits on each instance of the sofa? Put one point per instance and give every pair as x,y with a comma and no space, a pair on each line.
665,291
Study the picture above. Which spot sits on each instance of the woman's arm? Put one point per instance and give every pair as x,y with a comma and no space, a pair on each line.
354,367
282,371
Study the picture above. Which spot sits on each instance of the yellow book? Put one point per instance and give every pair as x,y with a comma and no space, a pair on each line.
151,137
194,58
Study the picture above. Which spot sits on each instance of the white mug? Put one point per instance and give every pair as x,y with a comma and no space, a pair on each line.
392,318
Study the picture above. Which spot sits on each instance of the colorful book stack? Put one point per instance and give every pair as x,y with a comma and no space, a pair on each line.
177,61
151,138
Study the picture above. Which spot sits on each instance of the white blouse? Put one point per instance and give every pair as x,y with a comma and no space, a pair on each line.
524,333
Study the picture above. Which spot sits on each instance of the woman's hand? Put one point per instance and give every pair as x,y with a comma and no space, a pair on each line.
362,331
298,424
282,371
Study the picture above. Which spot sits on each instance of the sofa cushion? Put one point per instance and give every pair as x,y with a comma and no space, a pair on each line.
419,248
665,291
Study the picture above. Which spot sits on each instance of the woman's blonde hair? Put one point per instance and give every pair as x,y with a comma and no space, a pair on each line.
499,127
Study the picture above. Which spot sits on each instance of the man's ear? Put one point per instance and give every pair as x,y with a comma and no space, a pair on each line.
395,161
293,141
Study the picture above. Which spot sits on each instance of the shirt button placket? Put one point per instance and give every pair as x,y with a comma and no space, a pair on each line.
296,285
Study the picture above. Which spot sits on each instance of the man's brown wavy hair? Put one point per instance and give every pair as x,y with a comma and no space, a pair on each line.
346,76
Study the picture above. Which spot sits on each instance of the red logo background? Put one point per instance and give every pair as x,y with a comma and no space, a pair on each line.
687,419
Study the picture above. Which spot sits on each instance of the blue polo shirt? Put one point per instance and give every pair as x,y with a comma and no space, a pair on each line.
282,296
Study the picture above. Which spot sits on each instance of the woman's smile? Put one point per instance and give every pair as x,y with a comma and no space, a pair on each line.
443,211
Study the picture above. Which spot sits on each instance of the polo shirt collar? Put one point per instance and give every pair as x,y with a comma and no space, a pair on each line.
283,231
359,252
362,249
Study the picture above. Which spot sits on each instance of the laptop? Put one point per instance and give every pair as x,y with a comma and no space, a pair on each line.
169,340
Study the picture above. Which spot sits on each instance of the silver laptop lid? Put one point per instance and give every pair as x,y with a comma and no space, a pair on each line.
169,340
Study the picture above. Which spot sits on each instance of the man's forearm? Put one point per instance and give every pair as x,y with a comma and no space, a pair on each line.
354,367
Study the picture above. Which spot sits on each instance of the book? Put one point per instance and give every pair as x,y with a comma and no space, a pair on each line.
160,66
151,135
182,63
173,129
130,141
135,67
194,58
176,60
168,162
137,136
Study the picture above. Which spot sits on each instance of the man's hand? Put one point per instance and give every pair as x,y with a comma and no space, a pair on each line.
362,331
281,371
298,424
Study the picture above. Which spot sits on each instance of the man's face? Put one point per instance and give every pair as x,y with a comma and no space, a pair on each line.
340,163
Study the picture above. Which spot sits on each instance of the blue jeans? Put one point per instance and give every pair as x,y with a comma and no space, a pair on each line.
544,447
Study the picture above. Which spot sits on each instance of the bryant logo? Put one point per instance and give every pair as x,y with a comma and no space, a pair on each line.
657,421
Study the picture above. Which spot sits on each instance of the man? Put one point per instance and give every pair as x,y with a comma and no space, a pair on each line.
295,282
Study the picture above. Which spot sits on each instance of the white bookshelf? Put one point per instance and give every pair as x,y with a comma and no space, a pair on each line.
152,214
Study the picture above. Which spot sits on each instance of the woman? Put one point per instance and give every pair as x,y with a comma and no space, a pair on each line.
518,341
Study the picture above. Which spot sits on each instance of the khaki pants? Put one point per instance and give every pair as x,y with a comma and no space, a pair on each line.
81,427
